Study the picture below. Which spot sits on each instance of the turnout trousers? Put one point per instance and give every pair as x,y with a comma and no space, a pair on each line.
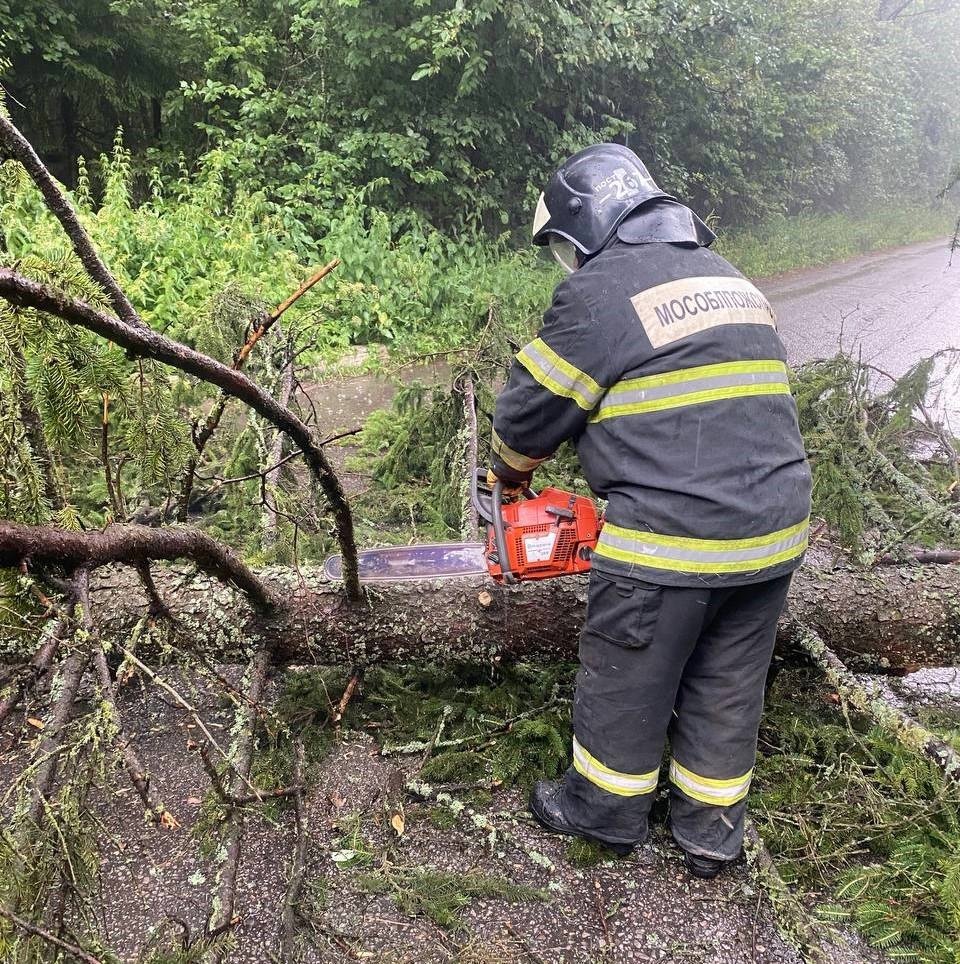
659,662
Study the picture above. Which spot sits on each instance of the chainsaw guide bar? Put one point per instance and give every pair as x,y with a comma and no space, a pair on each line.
452,560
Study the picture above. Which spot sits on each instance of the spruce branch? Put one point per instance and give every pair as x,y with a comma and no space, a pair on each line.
137,772
901,727
116,505
54,547
203,434
25,293
71,675
32,929
33,426
221,914
298,867
39,665
810,936
20,149
271,476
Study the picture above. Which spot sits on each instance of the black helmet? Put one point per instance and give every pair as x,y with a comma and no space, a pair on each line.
590,195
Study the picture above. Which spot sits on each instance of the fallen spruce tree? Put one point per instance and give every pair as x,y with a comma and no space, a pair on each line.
892,618
84,599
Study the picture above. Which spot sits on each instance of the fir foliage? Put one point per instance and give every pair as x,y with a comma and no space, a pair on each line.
442,895
859,823
883,467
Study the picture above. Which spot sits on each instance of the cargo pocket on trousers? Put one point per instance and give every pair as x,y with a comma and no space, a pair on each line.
623,611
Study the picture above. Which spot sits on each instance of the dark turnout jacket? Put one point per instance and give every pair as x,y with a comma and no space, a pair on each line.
663,364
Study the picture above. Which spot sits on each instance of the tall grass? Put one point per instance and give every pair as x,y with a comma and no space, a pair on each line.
816,239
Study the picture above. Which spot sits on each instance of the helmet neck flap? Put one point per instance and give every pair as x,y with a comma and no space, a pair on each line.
665,221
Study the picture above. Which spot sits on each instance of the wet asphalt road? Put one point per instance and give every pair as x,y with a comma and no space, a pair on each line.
897,305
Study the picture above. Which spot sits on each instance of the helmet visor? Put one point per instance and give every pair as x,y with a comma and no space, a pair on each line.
565,252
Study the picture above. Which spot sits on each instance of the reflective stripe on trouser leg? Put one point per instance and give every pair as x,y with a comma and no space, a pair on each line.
718,708
613,781
718,793
634,644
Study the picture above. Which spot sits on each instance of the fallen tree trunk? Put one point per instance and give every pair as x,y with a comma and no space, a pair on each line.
894,617
891,718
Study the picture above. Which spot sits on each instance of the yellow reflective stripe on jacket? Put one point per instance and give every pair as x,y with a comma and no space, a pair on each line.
558,375
613,781
720,793
684,554
694,386
522,463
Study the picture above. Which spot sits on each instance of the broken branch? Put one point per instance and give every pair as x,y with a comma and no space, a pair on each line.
904,729
44,935
21,150
130,544
25,293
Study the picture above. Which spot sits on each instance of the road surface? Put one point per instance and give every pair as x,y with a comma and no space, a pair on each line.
897,306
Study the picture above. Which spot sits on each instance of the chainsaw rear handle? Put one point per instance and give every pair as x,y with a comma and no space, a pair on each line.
492,513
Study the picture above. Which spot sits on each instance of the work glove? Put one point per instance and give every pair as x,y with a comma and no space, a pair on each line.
511,490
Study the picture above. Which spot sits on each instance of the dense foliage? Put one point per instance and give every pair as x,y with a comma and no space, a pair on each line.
455,111
263,138
892,871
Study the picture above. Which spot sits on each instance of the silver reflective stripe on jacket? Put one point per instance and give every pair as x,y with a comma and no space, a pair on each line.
558,375
694,386
683,554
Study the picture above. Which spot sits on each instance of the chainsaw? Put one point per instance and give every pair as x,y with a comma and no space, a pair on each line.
539,536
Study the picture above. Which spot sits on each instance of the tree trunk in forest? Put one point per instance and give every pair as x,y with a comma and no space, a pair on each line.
894,617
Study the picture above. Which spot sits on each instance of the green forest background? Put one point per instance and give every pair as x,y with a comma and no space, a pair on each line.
329,117
450,114
219,151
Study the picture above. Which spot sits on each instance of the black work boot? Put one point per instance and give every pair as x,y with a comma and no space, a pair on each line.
546,805
706,868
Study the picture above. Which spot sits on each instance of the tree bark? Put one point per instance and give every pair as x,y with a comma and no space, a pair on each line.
896,618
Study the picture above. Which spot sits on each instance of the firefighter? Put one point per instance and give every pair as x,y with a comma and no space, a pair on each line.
663,364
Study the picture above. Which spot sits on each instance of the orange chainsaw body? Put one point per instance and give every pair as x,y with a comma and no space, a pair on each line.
552,534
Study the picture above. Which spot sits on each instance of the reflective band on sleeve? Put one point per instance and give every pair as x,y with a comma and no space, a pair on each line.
558,375
522,463
720,793
683,554
694,386
613,781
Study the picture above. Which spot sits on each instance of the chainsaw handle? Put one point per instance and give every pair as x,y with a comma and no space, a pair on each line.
500,534
491,511
485,506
